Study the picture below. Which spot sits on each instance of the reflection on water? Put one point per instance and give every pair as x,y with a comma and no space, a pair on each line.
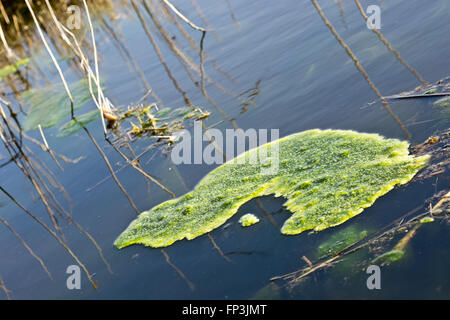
258,65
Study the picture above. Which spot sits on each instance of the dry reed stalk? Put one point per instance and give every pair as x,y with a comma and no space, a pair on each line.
182,17
102,103
55,62
203,17
9,53
4,14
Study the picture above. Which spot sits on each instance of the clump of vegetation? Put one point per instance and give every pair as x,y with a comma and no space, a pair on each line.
327,176
248,220
426,220
159,122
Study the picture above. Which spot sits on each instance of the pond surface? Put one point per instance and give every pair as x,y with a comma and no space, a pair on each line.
306,80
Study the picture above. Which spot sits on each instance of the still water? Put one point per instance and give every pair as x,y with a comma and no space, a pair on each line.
305,80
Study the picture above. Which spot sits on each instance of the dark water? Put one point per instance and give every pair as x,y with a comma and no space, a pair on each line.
306,81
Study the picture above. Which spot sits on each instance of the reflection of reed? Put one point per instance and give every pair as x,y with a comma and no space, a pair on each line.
182,275
4,289
388,45
101,102
218,248
202,16
360,68
32,171
341,12
51,56
184,60
127,56
159,54
235,20
205,94
6,224
138,168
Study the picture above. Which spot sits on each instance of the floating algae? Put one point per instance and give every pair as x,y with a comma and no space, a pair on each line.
327,176
73,126
270,292
389,257
443,102
10,69
50,105
248,219
426,220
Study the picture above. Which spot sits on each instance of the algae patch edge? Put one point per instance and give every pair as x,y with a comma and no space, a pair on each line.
152,228
248,220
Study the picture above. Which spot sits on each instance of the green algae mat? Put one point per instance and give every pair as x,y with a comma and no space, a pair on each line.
327,177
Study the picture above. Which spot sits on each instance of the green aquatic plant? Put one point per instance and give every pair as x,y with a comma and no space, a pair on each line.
443,102
327,176
248,219
10,69
426,220
341,240
73,126
270,292
161,122
48,106
389,257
